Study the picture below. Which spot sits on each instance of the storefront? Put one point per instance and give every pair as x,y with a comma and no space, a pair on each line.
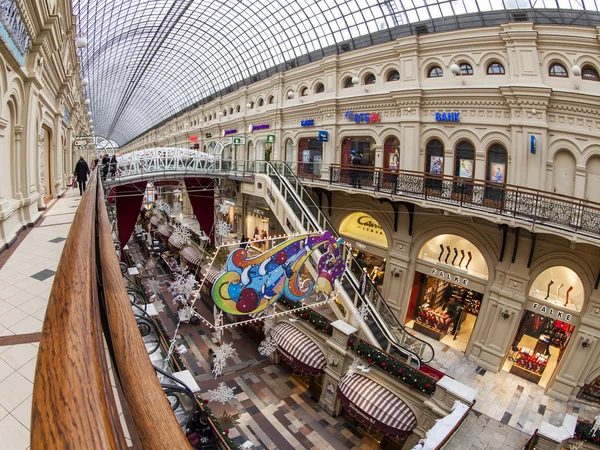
551,314
310,154
448,289
257,226
364,146
370,244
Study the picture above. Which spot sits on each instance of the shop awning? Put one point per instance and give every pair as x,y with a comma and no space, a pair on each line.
164,230
212,276
155,220
375,407
298,350
174,244
191,256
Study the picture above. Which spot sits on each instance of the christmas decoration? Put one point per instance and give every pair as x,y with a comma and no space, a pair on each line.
150,264
154,286
588,431
221,429
269,322
362,313
222,228
314,318
228,420
414,378
163,206
218,317
222,394
176,208
181,234
223,208
251,284
182,288
267,346
221,354
353,367
138,229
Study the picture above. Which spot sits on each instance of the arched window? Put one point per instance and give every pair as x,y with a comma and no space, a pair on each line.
231,110
564,170
393,75
320,88
465,68
495,68
592,179
238,108
289,151
464,160
589,73
370,79
391,153
251,105
205,118
434,159
224,112
270,100
558,70
348,83
435,72
496,163
261,102
304,92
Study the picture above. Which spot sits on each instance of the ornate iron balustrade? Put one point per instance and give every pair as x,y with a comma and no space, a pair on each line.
515,202
13,32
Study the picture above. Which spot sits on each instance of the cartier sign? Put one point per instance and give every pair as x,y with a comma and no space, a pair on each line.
449,277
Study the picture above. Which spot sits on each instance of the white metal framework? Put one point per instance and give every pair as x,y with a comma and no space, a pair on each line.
165,159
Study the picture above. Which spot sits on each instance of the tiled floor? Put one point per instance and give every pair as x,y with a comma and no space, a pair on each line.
25,282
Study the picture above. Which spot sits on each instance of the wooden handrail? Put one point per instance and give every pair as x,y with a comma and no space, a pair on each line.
73,402
73,405
156,425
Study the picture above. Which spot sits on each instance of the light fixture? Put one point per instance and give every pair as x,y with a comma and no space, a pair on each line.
220,114
455,69
355,80
291,95
248,105
82,42
91,121
586,342
85,81
395,272
87,101
89,113
506,313
576,69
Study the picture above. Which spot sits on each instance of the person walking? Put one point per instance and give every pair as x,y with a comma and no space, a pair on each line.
82,171
113,166
105,166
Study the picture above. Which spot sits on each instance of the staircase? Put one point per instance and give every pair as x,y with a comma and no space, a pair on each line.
382,326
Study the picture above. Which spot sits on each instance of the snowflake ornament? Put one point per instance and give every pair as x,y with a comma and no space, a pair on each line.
224,208
222,394
161,205
362,313
176,208
267,346
150,264
181,234
222,228
138,229
220,356
182,288
269,323
154,286
353,367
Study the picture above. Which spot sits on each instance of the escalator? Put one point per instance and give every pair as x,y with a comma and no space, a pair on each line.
386,330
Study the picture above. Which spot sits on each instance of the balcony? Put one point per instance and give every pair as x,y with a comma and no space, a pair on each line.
12,30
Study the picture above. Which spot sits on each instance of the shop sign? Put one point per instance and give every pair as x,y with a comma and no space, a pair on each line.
447,117
532,144
264,126
80,142
270,138
239,141
549,311
228,132
363,117
208,135
259,212
449,277
307,123
323,136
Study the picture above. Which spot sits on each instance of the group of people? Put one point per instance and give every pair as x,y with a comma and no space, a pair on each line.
82,170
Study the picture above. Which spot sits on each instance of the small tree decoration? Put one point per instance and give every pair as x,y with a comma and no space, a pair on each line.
223,208
222,228
181,234
227,421
222,394
267,347
150,264
220,356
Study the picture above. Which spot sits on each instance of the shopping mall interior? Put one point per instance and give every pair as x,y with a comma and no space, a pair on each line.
333,224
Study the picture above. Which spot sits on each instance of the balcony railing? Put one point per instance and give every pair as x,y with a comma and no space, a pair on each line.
12,30
73,402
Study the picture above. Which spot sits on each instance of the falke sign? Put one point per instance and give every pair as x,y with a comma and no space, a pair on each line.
363,117
447,117
449,277
549,311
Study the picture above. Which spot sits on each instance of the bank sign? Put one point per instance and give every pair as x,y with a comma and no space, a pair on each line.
549,311
449,277
363,117
447,117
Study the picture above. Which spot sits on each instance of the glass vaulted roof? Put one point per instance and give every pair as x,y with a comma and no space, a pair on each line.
147,60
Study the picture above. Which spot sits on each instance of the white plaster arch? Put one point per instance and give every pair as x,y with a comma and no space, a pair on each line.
565,143
436,133
590,151
462,135
489,57
495,137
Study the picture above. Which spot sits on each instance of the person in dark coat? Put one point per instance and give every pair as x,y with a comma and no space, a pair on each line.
81,172
113,166
105,165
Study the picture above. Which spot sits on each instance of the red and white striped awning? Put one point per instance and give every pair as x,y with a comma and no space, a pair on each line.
191,256
155,220
164,230
375,407
297,349
174,243
212,276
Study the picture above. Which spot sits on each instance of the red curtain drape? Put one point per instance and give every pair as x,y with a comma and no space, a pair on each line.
129,201
201,192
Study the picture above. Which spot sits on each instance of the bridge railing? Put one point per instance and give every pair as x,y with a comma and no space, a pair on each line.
73,402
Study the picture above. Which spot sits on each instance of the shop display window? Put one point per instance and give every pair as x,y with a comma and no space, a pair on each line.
559,285
310,156
456,253
372,265
364,146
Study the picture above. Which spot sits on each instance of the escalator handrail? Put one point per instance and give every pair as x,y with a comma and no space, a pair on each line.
351,276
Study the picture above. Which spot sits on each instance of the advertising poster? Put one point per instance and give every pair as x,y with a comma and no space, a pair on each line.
394,161
436,165
465,169
497,172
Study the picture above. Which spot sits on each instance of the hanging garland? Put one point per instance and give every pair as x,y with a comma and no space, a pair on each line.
583,431
414,378
315,319
224,432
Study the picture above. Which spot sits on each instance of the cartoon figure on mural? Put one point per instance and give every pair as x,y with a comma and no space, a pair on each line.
251,284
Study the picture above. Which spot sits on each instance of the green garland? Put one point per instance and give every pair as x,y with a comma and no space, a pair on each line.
583,431
224,432
414,378
314,318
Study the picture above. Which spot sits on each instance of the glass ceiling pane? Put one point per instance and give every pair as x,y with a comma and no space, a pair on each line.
147,60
